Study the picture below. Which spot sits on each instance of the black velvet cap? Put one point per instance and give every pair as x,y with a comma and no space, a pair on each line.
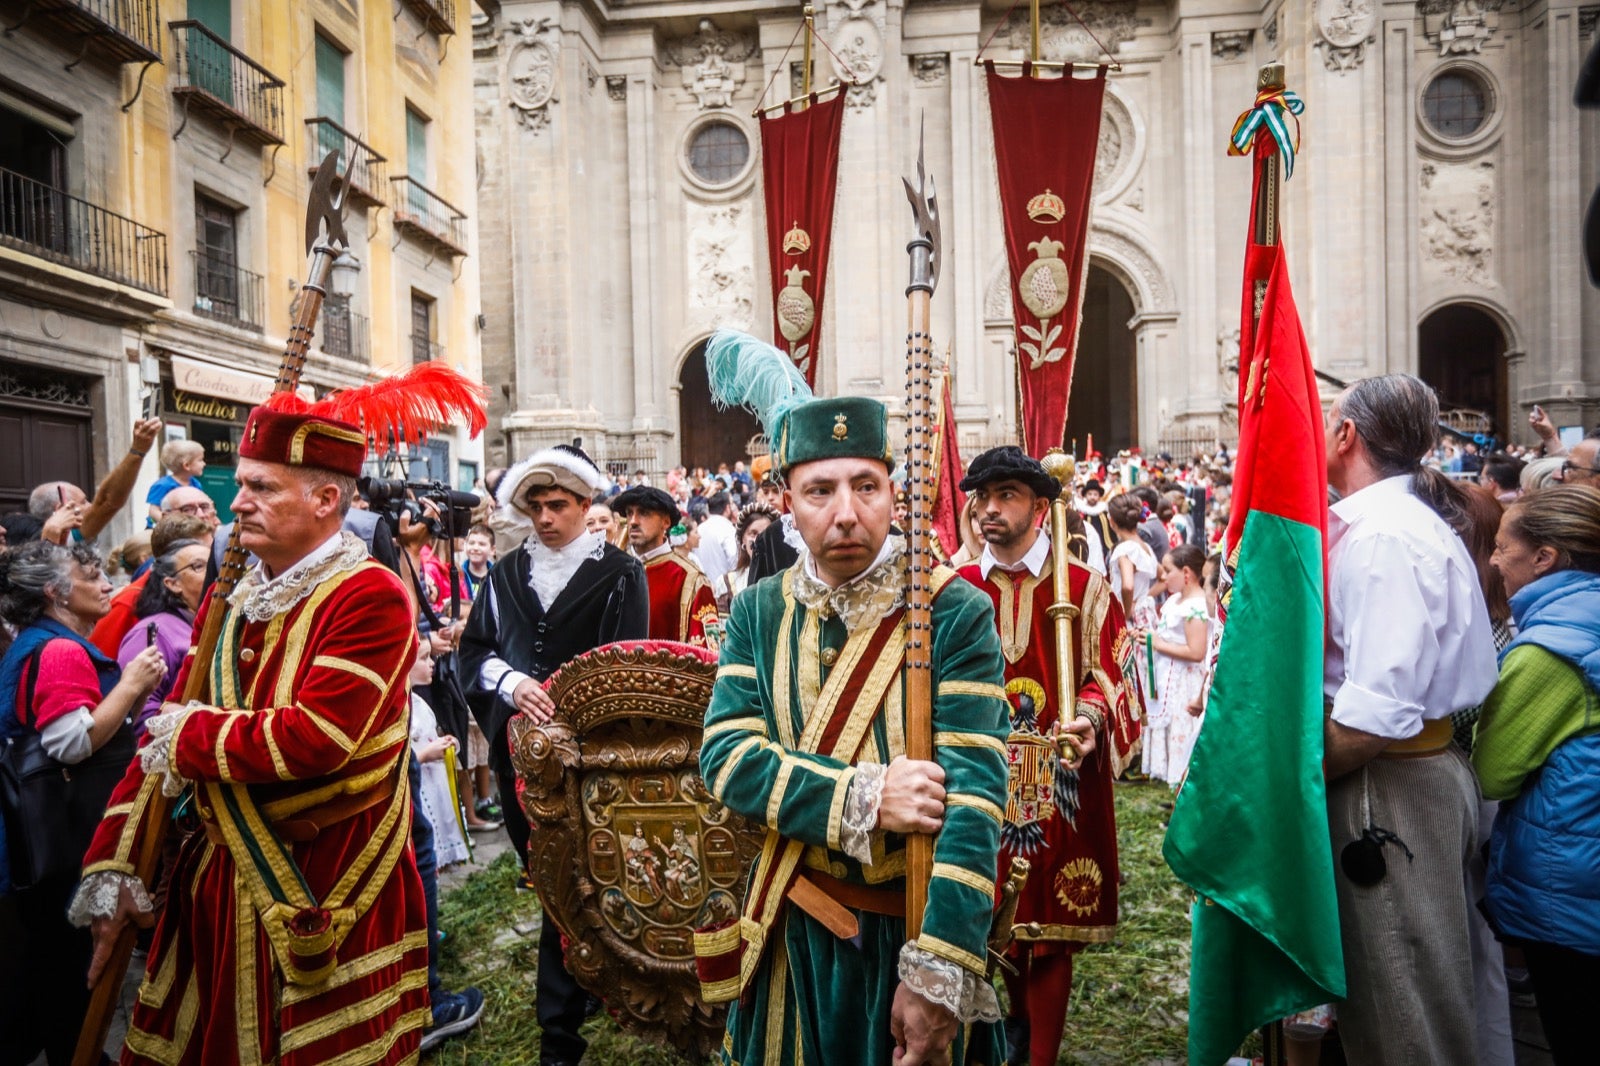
1010,463
647,498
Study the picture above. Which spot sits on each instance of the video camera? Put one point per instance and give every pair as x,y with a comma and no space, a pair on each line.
393,497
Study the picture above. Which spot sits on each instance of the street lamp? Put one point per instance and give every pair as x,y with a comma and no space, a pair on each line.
343,275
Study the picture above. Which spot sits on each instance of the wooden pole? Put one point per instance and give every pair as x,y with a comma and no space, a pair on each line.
924,253
1265,222
324,208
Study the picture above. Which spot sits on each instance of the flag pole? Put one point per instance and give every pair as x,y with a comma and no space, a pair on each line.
1269,79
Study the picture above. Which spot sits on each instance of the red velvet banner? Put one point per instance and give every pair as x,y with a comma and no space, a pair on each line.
800,169
1046,132
948,499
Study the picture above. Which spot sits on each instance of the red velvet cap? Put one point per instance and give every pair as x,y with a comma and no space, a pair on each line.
303,440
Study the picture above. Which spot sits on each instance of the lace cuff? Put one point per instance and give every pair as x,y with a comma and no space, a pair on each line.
156,755
969,996
99,894
860,817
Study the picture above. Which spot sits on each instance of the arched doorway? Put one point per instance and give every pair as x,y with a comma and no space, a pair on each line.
1105,384
1461,351
706,435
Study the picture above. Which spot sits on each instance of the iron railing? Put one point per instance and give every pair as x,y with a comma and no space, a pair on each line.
424,215
44,221
128,31
343,331
366,167
438,15
424,350
227,292
213,76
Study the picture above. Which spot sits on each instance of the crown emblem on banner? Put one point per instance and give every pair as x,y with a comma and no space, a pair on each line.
797,241
1047,207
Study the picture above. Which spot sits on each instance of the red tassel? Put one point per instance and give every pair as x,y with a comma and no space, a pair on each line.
408,406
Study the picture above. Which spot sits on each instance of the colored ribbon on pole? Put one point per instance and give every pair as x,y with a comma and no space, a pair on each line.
1274,109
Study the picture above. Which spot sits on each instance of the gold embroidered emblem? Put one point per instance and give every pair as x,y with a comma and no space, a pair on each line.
1078,885
841,428
796,311
797,241
1047,207
1044,288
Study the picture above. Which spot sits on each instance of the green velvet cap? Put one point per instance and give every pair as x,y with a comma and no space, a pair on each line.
846,427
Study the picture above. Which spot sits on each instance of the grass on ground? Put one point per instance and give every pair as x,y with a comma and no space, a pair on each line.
1129,998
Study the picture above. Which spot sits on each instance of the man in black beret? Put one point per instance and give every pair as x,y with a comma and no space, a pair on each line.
681,601
1058,813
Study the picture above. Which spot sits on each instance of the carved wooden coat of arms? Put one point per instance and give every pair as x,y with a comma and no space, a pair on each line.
630,851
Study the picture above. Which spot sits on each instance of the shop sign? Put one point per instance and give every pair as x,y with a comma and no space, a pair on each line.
241,387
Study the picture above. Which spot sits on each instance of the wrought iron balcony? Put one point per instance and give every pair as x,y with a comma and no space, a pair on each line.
344,332
227,292
424,350
125,31
439,16
426,217
216,79
47,222
366,167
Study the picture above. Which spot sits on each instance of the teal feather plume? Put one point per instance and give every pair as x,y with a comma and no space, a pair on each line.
750,373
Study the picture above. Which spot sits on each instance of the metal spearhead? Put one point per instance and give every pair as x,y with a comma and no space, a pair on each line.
925,246
324,208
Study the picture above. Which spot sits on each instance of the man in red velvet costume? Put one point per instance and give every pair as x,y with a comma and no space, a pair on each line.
681,601
293,930
1059,813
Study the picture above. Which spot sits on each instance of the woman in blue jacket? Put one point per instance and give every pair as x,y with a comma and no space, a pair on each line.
1538,751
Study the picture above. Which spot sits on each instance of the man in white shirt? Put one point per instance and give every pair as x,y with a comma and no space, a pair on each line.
1409,642
719,543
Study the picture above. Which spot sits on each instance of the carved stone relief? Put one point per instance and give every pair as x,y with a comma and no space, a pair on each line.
1459,27
485,42
1345,28
1457,203
997,297
1587,16
532,71
1227,350
712,63
1063,40
1232,44
1116,148
856,33
617,86
1270,32
721,249
931,69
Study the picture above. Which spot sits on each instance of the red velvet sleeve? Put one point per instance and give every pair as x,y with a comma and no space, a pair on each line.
359,645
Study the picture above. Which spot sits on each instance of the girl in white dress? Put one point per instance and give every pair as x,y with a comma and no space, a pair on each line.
1131,569
1179,643
428,748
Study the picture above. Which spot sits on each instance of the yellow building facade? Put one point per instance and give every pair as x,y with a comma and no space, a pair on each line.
155,162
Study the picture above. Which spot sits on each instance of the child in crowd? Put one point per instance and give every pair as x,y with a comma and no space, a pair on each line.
184,461
436,797
1179,643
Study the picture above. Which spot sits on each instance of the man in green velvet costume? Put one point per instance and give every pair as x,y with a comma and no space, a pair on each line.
806,735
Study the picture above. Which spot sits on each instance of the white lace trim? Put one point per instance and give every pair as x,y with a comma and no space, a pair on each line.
551,569
860,817
866,598
100,893
967,995
156,755
261,599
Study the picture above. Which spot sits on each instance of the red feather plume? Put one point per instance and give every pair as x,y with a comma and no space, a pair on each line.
406,407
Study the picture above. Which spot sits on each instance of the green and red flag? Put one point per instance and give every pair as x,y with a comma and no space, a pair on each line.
1249,832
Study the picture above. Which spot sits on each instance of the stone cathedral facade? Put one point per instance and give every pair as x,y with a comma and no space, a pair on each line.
1433,219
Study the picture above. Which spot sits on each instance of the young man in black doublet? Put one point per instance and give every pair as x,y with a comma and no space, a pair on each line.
564,592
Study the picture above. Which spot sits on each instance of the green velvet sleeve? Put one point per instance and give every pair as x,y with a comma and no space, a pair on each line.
797,794
971,722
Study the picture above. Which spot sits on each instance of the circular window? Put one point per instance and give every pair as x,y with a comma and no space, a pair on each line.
1456,104
718,152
